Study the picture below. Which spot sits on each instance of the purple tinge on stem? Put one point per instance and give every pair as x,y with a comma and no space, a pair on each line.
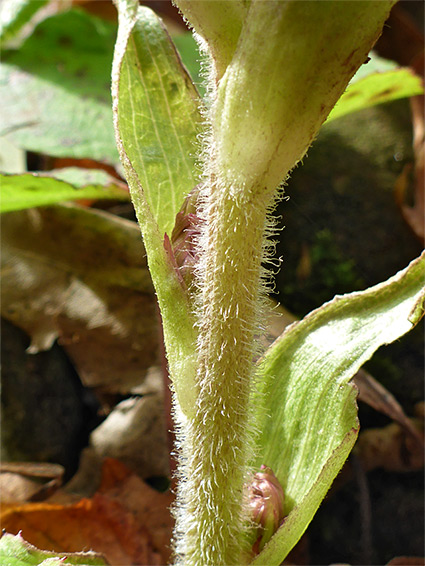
266,499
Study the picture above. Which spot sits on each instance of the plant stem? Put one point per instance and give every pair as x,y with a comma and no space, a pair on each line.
269,92
218,436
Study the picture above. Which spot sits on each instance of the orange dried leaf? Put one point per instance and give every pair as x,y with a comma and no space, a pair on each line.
151,508
100,524
407,561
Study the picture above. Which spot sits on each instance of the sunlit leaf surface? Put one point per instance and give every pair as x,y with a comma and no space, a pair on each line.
375,89
55,89
156,119
14,14
308,415
15,551
159,118
30,190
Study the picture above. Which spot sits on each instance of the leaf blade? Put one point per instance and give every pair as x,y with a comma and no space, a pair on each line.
15,551
377,88
178,321
162,141
14,14
306,375
31,190
55,89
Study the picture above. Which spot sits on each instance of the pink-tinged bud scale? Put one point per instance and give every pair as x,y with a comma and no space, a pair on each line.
181,247
266,504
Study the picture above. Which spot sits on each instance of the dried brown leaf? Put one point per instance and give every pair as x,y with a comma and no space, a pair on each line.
390,448
407,561
100,523
151,508
80,276
20,481
377,396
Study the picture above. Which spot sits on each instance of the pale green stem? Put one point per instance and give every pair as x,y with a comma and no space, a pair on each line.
283,68
218,436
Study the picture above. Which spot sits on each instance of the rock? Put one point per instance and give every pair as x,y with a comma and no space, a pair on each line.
42,416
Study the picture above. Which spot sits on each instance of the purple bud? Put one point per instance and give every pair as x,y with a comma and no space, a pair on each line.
181,248
266,499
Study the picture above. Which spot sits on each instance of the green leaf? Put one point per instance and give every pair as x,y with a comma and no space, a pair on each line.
55,90
220,23
156,122
14,14
308,415
374,64
262,131
30,189
375,89
191,58
161,120
15,551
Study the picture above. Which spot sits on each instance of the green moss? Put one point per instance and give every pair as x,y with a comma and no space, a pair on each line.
322,272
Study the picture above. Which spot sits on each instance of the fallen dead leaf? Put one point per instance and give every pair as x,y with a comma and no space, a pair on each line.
377,396
125,520
20,481
33,469
403,41
101,524
151,508
15,488
80,276
61,162
133,433
390,448
407,561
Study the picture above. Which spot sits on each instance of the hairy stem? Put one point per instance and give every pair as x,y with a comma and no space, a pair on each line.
269,93
218,436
